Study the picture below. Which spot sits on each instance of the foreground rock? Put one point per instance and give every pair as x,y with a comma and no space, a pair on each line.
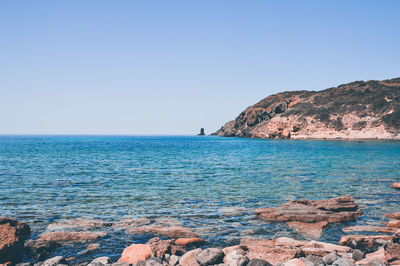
12,236
358,110
308,217
135,253
40,249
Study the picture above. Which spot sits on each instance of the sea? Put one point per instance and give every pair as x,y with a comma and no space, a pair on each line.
209,184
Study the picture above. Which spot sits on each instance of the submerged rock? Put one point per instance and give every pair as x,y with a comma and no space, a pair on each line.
12,236
39,249
369,228
163,230
72,236
308,230
80,223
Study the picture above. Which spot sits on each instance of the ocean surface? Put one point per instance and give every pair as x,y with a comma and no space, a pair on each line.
209,184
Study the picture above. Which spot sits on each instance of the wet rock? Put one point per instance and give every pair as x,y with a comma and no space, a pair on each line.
342,262
39,249
188,259
160,247
236,257
230,211
12,236
72,236
89,249
258,262
358,255
135,253
396,185
80,223
394,223
393,215
369,228
311,211
162,230
363,241
131,222
330,258
189,242
100,261
154,261
210,256
308,230
54,261
167,221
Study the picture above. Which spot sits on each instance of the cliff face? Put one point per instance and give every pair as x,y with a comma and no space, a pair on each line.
358,110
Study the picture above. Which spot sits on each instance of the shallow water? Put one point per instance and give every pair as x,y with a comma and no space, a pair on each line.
210,184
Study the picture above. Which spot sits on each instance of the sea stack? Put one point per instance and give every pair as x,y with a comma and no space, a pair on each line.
201,132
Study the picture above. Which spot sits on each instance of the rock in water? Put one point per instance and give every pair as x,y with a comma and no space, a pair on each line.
12,237
358,110
312,211
201,132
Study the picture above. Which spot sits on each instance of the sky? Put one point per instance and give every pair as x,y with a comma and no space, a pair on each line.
172,67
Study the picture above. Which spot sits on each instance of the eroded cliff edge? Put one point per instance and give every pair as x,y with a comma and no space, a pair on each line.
358,110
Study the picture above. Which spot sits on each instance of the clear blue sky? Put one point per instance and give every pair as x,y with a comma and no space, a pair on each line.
171,67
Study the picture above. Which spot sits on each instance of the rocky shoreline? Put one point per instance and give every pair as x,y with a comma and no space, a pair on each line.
355,111
174,244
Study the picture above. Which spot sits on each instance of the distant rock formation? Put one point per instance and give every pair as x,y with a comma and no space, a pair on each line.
201,132
358,110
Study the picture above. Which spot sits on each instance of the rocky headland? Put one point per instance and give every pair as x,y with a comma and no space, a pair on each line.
358,110
174,244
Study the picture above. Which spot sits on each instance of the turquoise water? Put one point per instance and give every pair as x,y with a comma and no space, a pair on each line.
210,184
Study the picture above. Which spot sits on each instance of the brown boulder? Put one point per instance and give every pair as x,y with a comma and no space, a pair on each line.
72,236
396,185
12,237
39,249
163,230
135,253
392,252
308,230
311,211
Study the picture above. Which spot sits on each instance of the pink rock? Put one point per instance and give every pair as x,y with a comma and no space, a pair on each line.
396,185
394,223
310,211
193,241
135,253
72,236
308,230
295,262
188,259
393,215
163,230
369,228
362,240
377,255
